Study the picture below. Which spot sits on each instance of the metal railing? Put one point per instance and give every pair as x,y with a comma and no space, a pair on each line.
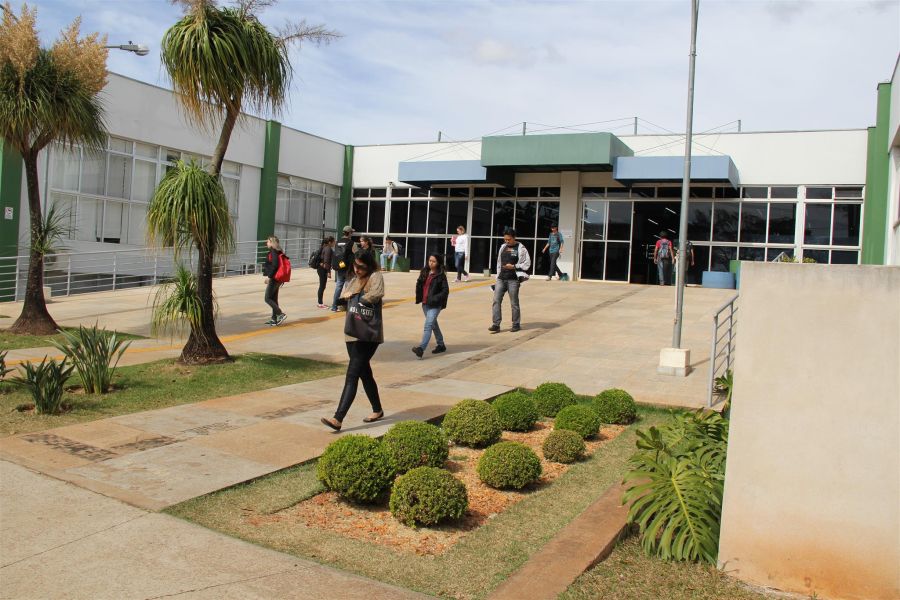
68,273
721,355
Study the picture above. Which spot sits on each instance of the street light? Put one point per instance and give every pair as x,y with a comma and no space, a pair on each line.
139,49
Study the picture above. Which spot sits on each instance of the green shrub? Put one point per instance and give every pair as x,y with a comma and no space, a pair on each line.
615,406
428,495
473,423
414,444
550,398
517,411
509,465
45,382
564,446
675,486
3,369
357,467
581,419
94,353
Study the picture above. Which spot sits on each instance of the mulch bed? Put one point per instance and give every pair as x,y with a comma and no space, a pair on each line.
375,523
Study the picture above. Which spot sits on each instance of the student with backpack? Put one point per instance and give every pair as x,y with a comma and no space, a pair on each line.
389,252
321,262
276,269
432,291
663,254
513,263
341,263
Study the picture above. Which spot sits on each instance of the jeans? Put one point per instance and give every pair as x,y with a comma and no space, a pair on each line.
554,268
461,266
384,258
664,272
323,281
431,324
272,296
339,278
501,287
360,354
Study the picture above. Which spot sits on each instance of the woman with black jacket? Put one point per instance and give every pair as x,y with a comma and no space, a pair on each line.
323,269
432,291
269,268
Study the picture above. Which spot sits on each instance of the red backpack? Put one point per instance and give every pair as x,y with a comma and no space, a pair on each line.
283,274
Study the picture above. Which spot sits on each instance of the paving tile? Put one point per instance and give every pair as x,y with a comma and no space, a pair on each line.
459,388
173,473
186,421
113,436
38,455
276,443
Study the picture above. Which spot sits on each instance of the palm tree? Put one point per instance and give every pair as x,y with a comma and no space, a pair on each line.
221,60
46,95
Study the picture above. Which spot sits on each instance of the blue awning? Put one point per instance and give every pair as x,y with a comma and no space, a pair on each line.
670,169
426,173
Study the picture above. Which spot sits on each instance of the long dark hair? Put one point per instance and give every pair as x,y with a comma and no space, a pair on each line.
327,240
440,261
367,257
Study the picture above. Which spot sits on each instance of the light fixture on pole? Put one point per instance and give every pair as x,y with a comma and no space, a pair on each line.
139,49
676,360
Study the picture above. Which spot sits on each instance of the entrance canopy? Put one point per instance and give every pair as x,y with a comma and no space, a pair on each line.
670,169
427,173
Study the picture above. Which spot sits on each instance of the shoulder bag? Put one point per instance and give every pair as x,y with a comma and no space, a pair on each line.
363,320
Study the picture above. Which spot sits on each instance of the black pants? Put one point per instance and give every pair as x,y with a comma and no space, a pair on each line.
554,268
323,280
360,354
272,296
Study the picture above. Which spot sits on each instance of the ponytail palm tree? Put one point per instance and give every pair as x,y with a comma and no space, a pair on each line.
46,95
222,60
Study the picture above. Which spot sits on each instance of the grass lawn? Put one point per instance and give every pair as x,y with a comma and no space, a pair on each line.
14,341
629,575
473,567
160,384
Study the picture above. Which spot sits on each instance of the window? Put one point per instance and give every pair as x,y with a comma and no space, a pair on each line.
399,213
307,208
594,220
845,229
782,222
817,227
437,216
699,221
619,227
725,222
753,222
376,216
755,192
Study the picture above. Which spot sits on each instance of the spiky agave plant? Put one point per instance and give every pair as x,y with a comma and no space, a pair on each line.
176,305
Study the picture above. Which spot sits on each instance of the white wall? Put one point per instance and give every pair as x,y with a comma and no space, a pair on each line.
775,158
375,166
310,156
892,246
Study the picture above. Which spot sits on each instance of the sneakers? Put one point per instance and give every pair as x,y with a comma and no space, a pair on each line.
324,306
515,328
494,328
269,322
466,278
418,351
280,319
439,349
333,309
550,278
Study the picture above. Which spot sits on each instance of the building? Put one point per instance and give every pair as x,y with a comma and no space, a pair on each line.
754,196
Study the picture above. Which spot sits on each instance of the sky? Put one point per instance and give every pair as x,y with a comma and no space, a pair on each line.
405,70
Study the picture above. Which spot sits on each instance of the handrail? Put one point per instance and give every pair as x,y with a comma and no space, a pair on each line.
67,273
726,349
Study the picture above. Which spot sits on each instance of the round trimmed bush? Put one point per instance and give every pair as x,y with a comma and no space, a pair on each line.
428,495
357,467
563,446
579,418
509,465
517,411
414,444
473,423
615,406
550,398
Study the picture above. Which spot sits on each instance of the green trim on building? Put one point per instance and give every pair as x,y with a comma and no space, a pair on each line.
346,189
581,151
11,168
875,216
268,181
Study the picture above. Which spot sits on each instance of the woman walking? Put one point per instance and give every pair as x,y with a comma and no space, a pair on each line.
368,282
365,244
270,268
432,291
323,269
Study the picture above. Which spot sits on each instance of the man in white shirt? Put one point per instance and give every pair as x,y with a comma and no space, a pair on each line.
461,243
389,253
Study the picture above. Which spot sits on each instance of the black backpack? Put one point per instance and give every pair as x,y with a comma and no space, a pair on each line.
343,253
315,259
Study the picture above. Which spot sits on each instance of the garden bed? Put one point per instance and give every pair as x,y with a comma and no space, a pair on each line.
376,525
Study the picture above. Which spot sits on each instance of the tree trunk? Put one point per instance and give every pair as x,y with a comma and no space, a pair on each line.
203,345
224,138
34,319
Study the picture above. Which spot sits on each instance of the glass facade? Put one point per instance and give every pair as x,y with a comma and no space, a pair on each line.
305,208
105,194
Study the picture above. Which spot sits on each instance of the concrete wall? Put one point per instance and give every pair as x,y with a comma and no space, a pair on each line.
892,250
311,157
812,488
375,166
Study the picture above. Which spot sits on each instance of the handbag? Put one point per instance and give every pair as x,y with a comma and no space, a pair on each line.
363,320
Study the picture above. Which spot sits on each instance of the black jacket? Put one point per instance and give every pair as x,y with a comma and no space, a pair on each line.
270,265
437,292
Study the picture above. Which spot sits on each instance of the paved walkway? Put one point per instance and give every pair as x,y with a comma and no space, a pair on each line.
591,336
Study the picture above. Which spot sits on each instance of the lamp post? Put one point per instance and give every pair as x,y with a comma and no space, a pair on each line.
139,49
676,360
